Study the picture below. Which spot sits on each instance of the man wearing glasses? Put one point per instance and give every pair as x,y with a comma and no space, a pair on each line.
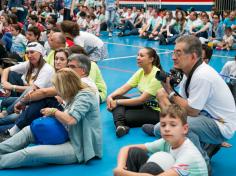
204,95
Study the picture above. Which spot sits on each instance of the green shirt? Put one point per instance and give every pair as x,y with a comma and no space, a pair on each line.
146,83
50,58
96,76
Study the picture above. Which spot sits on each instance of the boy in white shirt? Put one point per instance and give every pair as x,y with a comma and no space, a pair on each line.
185,159
228,40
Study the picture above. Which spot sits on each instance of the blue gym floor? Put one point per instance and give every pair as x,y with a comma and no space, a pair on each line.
116,70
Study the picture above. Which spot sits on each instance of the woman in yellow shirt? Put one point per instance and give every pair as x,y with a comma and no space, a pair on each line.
134,112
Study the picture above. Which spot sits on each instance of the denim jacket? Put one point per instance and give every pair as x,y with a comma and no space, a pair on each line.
86,135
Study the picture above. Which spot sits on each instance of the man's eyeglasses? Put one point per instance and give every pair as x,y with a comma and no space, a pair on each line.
72,66
177,53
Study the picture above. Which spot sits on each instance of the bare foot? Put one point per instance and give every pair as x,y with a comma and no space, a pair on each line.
226,145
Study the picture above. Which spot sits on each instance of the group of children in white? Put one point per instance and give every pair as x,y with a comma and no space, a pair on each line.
49,41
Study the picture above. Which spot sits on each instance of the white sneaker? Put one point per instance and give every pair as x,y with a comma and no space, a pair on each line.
156,38
109,34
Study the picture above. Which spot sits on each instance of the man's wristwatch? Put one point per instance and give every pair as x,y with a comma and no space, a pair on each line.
171,95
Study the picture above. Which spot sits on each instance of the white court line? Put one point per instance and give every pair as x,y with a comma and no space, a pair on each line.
117,58
168,51
136,46
223,56
124,57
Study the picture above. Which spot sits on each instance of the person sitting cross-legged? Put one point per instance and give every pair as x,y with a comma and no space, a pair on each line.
81,119
174,154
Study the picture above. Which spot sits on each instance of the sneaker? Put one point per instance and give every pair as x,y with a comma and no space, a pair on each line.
156,38
212,149
121,131
120,34
4,136
148,129
109,34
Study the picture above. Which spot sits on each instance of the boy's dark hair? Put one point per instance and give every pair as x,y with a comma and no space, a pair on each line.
82,14
217,14
208,51
54,17
35,30
13,18
55,29
16,27
52,22
228,29
70,27
34,17
174,111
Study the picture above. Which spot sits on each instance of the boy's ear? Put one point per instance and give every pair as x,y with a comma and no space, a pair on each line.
186,127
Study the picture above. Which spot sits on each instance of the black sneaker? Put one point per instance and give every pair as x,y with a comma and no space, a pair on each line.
121,131
4,136
212,149
148,129
121,34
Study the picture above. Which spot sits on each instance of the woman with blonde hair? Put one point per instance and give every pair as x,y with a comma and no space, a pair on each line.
81,119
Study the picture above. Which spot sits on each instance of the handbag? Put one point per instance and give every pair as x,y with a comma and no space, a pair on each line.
48,131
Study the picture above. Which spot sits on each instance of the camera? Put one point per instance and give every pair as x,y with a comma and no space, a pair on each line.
174,75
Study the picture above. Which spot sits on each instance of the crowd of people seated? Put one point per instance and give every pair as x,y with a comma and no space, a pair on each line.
51,83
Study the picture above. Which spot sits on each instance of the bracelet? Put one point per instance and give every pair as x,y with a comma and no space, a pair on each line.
170,96
14,88
117,102
53,111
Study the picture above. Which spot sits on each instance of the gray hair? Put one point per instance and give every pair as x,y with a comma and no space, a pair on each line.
192,44
83,62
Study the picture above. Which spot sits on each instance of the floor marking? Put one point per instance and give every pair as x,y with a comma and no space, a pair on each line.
124,57
117,69
167,50
223,56
117,58
136,46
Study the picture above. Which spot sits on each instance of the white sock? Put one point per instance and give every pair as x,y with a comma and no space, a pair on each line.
14,130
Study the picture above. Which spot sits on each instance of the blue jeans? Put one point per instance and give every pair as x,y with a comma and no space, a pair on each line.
110,17
9,103
15,79
8,119
202,130
19,155
32,112
4,128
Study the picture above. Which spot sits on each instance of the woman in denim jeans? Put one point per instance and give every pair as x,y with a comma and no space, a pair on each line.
82,119
19,121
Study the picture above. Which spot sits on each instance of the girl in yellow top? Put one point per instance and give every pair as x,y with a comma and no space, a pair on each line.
134,112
